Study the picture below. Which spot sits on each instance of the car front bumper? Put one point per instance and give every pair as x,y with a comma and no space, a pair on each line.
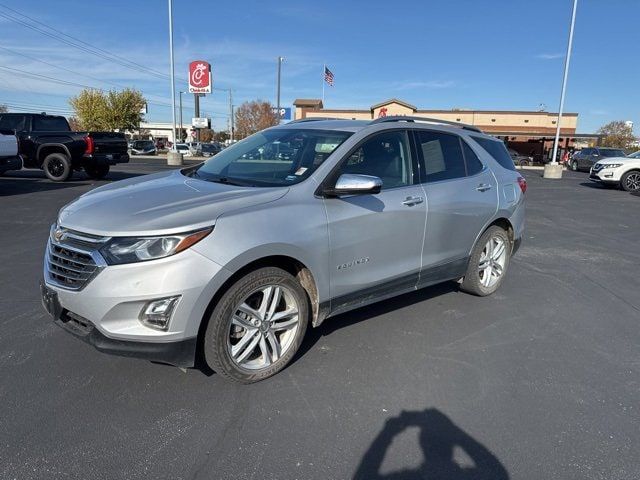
605,176
105,312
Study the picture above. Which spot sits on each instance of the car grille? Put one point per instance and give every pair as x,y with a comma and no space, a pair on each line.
73,261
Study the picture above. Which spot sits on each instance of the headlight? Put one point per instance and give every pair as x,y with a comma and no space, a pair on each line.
139,249
611,165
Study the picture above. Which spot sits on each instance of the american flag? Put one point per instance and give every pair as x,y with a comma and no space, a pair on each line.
328,76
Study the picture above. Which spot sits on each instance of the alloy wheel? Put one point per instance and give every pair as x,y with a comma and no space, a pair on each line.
492,261
632,182
263,327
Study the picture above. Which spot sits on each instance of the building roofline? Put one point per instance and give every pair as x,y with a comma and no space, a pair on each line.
393,100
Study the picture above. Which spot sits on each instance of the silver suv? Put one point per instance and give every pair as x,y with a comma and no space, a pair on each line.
232,259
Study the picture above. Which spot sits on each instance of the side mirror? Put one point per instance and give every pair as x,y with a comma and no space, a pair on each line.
351,184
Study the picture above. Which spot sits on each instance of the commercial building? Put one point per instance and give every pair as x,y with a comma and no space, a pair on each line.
528,132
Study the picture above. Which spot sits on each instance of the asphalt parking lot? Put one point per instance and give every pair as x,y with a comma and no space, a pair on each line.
541,380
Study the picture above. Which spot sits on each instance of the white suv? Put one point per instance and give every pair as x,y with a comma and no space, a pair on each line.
618,171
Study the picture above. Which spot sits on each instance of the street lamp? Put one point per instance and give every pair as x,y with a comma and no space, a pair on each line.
173,157
554,169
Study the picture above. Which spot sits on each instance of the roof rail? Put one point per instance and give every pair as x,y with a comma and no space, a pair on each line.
404,118
315,119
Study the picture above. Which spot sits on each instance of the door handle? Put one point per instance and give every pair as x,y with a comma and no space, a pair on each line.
411,201
483,187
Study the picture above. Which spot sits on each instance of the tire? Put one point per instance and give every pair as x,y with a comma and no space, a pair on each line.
630,181
96,172
574,166
476,280
239,341
57,167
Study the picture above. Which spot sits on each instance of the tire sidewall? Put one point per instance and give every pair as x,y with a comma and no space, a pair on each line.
67,172
215,341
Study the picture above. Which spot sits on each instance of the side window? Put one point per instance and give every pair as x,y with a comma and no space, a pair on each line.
385,155
12,122
442,155
585,151
474,165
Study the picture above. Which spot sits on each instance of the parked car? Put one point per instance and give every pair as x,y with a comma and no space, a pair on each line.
210,149
584,159
520,159
9,158
183,148
143,147
623,172
47,142
235,258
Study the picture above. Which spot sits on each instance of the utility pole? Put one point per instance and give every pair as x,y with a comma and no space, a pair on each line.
280,59
553,169
173,157
181,116
196,100
231,116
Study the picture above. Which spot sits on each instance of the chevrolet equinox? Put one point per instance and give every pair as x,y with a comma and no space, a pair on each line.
230,260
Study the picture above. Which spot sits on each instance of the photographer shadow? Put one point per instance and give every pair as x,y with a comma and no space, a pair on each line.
438,437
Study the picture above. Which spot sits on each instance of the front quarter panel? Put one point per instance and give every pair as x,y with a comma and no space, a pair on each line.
294,226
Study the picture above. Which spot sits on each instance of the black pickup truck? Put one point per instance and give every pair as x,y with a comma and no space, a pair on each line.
47,142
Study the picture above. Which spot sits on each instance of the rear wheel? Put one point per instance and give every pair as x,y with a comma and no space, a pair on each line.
96,172
488,263
630,181
57,167
257,326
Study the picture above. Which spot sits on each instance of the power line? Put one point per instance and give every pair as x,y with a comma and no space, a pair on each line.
77,43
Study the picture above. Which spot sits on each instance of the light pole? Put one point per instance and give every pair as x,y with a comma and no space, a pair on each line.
280,59
173,157
554,169
181,115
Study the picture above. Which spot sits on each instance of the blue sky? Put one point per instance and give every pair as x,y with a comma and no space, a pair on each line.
480,54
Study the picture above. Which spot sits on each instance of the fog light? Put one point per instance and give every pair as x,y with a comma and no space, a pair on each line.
157,313
610,174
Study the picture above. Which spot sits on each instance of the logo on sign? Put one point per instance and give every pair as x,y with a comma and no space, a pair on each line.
383,112
199,77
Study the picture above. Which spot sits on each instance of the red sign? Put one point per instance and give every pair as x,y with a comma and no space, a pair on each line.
383,112
199,77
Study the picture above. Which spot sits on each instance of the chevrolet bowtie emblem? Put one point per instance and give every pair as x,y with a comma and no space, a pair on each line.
58,235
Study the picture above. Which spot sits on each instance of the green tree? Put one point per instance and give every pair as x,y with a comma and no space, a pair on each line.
251,117
113,110
617,134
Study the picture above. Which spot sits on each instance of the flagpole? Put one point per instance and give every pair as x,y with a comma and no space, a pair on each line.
324,69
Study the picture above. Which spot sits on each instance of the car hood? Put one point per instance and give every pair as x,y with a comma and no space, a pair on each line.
160,203
610,160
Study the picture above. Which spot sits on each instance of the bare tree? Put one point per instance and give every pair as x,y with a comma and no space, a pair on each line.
3,108
251,117
206,135
74,124
617,134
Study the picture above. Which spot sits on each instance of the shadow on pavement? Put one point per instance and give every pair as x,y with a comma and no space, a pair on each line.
332,324
30,181
438,437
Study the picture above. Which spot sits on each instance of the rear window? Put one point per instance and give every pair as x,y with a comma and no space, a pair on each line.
497,150
50,124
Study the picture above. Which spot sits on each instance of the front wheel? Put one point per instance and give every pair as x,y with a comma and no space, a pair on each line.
630,181
488,263
257,326
96,172
574,166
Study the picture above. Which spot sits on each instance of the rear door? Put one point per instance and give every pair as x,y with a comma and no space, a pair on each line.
376,240
461,197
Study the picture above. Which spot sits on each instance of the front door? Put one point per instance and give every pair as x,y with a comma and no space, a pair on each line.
461,197
376,240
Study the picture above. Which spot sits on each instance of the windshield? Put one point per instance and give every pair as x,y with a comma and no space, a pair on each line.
635,155
143,144
208,147
612,153
272,157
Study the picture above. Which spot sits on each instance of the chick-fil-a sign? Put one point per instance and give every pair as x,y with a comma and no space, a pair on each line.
199,77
